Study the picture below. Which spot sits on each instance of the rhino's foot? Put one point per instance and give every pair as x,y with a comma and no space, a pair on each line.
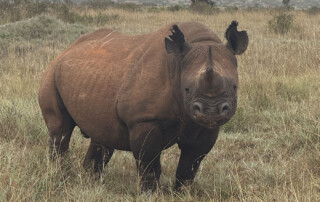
60,126
57,148
183,186
97,157
149,183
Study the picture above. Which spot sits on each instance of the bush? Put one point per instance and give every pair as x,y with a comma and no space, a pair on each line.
41,28
9,12
37,8
286,3
231,9
174,8
103,4
155,9
281,24
98,4
208,2
128,7
313,10
203,8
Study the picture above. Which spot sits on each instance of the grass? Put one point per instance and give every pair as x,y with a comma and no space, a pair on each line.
269,151
281,24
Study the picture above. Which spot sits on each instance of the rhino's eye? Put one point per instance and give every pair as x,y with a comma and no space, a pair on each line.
187,90
235,87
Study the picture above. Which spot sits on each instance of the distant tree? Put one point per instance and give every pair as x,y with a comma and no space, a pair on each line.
209,2
68,1
206,7
99,3
286,3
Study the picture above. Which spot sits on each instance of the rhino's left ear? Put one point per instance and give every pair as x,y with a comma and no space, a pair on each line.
237,41
177,43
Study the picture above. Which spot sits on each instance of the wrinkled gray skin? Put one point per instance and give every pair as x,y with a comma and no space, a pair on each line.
143,94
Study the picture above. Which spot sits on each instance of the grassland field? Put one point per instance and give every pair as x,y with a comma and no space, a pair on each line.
269,151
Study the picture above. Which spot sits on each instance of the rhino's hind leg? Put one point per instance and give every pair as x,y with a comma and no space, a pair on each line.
59,122
97,157
60,128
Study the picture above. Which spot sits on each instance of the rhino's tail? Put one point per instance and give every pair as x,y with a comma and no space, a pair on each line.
84,134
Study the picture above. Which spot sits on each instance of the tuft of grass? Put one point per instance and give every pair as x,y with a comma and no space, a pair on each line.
12,11
281,24
240,122
294,92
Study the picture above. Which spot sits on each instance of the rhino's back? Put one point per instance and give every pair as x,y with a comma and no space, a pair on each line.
89,76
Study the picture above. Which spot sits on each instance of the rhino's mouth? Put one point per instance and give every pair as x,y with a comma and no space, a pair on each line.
207,122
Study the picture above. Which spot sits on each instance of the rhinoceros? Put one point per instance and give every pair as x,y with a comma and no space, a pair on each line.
144,93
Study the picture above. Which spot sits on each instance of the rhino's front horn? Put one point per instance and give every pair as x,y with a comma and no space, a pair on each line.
209,73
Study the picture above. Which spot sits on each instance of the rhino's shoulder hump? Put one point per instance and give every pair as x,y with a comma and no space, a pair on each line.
96,35
197,32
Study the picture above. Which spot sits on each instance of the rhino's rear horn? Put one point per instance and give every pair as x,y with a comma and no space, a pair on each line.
177,43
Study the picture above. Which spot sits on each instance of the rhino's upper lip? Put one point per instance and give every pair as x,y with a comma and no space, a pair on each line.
210,124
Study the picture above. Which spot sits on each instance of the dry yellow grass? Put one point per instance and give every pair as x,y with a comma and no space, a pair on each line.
270,151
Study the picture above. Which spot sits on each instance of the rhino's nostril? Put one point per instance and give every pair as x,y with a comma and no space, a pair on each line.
197,108
224,108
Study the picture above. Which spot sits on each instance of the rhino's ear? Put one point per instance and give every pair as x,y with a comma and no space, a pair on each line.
177,43
237,41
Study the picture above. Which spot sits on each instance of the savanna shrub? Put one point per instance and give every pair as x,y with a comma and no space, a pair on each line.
313,10
281,24
204,8
231,9
37,8
176,7
98,4
128,7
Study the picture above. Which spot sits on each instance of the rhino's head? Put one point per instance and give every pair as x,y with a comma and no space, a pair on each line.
209,77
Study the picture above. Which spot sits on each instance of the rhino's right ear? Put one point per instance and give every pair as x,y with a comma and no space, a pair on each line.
237,41
177,43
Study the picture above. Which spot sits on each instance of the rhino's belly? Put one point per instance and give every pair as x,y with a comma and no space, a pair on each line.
100,122
107,131
89,92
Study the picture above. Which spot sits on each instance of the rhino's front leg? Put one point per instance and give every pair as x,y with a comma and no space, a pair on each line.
146,145
192,153
97,156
